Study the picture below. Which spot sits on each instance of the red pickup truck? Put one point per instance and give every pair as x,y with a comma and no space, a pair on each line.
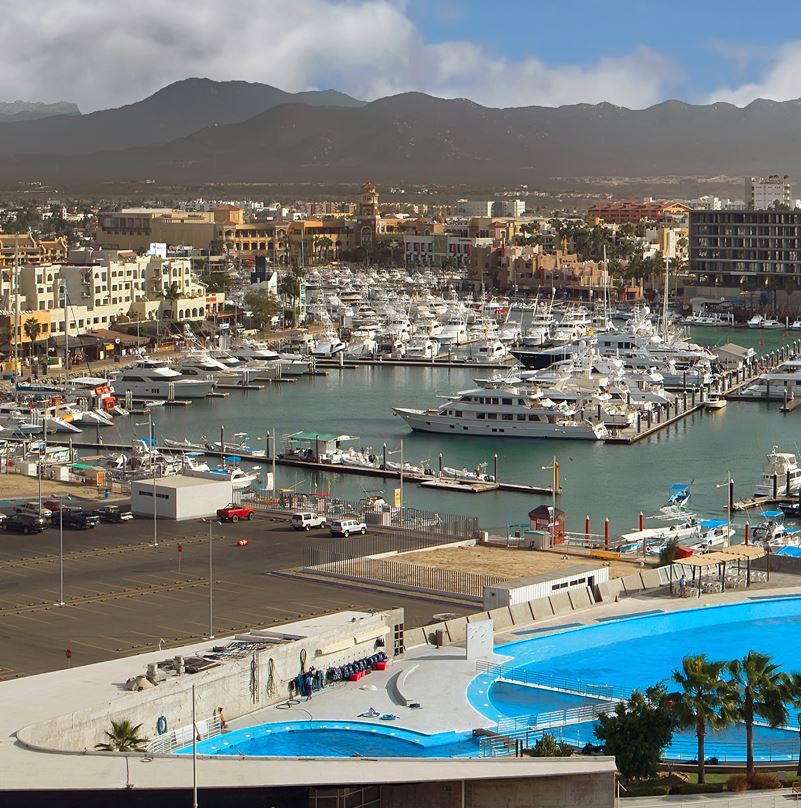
233,513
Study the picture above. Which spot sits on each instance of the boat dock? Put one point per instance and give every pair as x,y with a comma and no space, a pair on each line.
426,480
444,361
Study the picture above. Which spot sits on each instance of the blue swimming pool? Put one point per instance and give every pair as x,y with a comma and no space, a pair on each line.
640,651
337,739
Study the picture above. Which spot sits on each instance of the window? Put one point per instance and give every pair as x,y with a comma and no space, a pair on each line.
507,416
521,417
493,416
480,415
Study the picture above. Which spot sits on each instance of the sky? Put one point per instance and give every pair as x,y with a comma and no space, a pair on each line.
103,53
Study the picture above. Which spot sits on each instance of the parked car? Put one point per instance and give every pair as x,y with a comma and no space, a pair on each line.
344,527
307,520
33,508
75,517
25,523
233,513
113,514
56,504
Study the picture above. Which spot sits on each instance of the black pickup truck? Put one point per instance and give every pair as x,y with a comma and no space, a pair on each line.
76,518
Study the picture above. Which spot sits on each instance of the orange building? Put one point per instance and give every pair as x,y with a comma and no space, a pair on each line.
626,212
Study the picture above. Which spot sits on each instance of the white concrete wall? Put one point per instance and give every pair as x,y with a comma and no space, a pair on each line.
227,686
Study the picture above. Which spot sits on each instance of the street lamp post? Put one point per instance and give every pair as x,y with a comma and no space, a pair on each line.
211,578
554,466
61,550
153,470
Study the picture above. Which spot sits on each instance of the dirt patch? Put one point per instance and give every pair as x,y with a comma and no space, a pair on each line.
509,563
17,486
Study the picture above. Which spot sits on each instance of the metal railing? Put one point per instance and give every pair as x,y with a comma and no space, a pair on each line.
545,681
440,579
407,520
180,737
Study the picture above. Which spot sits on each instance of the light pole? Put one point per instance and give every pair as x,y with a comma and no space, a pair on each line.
153,469
61,550
194,752
728,486
211,578
554,466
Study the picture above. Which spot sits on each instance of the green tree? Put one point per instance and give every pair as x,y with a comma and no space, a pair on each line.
124,737
263,304
638,731
173,292
667,555
548,746
32,328
794,695
704,701
762,690
289,286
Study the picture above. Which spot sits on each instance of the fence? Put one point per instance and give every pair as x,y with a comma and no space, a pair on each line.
546,681
378,513
421,577
180,737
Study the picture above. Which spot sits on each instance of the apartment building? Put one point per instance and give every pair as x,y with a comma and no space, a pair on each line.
24,248
626,212
751,247
763,193
98,289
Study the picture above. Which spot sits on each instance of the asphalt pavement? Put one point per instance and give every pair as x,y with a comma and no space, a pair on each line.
123,595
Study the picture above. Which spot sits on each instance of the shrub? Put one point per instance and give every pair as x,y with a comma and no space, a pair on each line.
737,782
759,781
697,788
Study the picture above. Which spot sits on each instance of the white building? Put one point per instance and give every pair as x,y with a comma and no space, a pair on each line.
762,193
471,208
509,208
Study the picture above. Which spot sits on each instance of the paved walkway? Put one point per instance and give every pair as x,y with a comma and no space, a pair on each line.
752,799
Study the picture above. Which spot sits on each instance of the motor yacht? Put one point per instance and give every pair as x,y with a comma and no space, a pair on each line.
503,412
781,467
154,378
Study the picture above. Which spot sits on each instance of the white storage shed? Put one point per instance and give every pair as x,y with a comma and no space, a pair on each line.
543,585
180,497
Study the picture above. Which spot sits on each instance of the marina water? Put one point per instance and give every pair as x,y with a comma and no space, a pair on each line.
597,480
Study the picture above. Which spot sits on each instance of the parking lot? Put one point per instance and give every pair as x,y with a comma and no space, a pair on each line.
123,595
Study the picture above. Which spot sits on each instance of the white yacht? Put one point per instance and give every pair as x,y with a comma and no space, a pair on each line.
154,378
454,332
490,350
775,382
505,412
239,478
421,347
328,345
780,465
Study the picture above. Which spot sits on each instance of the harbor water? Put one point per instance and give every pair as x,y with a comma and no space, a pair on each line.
597,480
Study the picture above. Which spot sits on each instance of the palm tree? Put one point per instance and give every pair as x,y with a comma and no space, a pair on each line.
794,695
32,328
124,737
761,691
705,700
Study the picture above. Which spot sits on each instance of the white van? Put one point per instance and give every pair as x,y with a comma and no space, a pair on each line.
307,520
344,527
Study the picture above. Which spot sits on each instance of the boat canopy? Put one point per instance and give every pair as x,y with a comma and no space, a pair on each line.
712,523
324,437
679,487
772,514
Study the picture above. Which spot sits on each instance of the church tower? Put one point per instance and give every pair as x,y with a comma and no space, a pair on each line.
368,215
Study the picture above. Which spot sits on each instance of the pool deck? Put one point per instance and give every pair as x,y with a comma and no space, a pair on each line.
439,685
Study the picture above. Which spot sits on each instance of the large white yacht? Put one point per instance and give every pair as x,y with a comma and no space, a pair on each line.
780,465
505,412
454,332
154,378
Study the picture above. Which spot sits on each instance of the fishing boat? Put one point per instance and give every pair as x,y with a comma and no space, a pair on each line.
679,496
715,403
231,472
780,473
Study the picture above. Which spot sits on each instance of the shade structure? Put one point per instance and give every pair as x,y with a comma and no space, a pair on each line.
744,551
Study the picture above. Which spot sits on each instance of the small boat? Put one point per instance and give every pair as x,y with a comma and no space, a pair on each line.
715,403
679,496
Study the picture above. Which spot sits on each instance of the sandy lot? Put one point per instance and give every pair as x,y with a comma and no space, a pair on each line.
13,486
510,563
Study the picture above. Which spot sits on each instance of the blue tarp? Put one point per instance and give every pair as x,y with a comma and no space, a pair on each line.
792,552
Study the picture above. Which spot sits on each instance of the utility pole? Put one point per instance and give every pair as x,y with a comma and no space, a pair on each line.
554,466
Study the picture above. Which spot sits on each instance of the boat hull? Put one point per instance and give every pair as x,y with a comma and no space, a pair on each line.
422,421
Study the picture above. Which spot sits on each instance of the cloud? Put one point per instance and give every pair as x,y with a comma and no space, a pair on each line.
101,54
778,80
743,54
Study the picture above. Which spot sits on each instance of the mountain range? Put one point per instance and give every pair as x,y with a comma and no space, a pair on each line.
199,130
11,111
